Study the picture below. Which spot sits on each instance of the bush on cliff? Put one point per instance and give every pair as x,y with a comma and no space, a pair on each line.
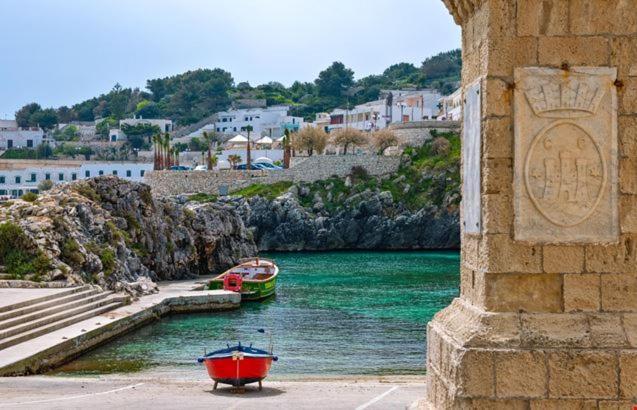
17,257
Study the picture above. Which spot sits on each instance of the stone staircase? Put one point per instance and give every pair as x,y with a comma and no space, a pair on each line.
32,318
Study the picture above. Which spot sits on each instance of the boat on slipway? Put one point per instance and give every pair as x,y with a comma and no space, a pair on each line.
254,278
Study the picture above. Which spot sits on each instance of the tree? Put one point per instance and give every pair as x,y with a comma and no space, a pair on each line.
384,139
44,151
349,136
248,162
69,133
23,115
45,185
66,115
287,144
118,102
234,160
209,137
310,139
139,134
45,119
334,81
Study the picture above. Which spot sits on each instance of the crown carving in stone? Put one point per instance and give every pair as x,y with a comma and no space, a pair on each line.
567,99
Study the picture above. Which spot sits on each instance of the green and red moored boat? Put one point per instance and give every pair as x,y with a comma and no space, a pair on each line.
254,278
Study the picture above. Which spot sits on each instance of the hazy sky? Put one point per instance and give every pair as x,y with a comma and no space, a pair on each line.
60,52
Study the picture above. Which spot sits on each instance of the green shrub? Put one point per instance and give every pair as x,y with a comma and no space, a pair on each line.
267,191
107,256
87,191
15,254
203,198
45,185
70,253
29,196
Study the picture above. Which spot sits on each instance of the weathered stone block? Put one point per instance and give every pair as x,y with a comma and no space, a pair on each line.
582,374
499,253
623,55
542,18
498,98
506,53
603,17
563,404
630,327
552,330
619,292
565,156
498,176
619,257
574,51
628,175
627,95
520,374
607,330
475,373
628,134
492,404
498,138
563,259
615,405
628,374
628,213
581,292
497,214
510,292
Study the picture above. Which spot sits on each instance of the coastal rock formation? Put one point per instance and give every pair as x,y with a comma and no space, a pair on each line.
113,233
371,219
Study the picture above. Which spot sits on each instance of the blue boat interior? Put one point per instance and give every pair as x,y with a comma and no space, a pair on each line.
238,348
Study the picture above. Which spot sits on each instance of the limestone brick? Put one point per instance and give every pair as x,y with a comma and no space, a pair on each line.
476,374
582,374
469,254
552,330
574,51
619,257
581,292
498,98
497,176
498,138
628,374
497,214
520,374
619,292
506,53
628,134
628,213
623,55
615,405
510,292
630,327
607,330
493,404
627,96
563,258
628,175
500,253
563,404
603,17
542,18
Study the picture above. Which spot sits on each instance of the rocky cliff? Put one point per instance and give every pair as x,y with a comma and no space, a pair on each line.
113,232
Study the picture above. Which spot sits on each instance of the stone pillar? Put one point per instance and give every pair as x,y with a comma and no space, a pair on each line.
547,313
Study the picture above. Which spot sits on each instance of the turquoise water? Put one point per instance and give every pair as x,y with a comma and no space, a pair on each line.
335,313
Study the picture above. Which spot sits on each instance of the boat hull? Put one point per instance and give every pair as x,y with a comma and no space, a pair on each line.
251,290
238,371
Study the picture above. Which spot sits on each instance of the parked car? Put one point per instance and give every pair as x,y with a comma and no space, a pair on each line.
255,167
180,168
201,168
268,165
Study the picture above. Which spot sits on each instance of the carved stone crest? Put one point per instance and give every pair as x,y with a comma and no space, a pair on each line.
565,183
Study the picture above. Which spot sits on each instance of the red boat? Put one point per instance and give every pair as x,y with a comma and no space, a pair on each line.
238,365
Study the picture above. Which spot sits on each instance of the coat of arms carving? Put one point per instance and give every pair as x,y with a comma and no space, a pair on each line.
565,184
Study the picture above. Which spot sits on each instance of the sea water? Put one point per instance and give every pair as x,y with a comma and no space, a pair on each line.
334,313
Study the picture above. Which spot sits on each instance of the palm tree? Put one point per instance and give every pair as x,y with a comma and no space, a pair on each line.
209,137
156,152
286,149
248,128
167,162
234,160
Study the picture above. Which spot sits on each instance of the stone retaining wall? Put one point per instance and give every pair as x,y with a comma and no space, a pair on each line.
311,169
417,132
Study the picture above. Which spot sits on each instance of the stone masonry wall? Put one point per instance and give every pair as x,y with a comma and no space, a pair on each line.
418,132
311,169
544,324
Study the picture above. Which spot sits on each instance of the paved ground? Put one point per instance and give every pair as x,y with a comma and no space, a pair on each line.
10,296
42,392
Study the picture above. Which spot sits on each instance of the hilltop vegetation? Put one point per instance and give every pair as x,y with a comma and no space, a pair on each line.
189,97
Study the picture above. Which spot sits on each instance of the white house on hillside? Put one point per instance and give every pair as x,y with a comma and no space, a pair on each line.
270,121
12,136
163,124
451,106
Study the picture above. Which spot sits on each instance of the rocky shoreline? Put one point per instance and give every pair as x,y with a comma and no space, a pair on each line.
115,234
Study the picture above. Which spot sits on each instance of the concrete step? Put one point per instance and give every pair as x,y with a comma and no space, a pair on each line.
24,327
79,299
114,303
47,304
40,299
6,276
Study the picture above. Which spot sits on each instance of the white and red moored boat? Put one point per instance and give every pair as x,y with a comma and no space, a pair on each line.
238,365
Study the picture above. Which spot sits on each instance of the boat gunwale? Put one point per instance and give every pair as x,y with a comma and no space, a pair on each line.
271,277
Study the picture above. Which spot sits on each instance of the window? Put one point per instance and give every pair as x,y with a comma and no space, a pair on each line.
9,143
47,176
224,120
18,179
87,174
115,172
61,176
235,129
101,172
113,138
141,173
73,176
129,173
29,143
218,129
3,191
246,119
2,180
33,177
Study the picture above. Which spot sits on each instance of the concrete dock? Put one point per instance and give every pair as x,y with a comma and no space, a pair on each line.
43,392
61,345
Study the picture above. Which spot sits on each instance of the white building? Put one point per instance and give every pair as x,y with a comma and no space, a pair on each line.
393,107
12,136
270,121
451,106
164,125
20,176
